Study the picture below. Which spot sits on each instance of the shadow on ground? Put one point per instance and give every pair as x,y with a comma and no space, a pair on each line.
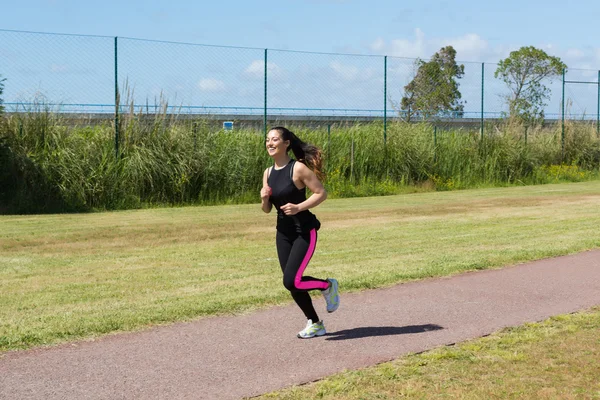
370,331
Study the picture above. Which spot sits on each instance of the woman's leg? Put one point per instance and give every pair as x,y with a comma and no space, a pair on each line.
302,251
294,254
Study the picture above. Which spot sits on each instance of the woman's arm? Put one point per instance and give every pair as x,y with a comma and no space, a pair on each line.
310,180
265,193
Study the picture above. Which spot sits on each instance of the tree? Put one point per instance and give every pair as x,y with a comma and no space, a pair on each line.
523,72
434,89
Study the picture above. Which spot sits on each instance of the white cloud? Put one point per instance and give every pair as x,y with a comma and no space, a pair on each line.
575,53
469,47
472,47
378,45
257,70
576,58
347,72
409,48
211,85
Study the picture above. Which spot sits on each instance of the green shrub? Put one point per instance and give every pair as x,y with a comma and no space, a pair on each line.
49,164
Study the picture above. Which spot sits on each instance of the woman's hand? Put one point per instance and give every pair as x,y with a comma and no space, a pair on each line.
304,177
265,193
290,209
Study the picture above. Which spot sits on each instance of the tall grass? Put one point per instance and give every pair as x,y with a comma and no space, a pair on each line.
49,164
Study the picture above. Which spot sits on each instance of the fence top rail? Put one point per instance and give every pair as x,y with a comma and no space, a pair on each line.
328,53
56,34
584,82
263,49
190,44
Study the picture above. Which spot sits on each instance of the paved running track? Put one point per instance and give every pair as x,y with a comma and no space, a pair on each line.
247,355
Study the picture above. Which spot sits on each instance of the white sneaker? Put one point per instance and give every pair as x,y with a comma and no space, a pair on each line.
312,330
332,295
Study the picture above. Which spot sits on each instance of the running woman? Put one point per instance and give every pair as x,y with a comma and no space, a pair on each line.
284,186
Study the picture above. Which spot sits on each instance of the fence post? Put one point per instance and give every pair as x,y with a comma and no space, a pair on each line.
352,160
117,100
195,134
435,144
385,100
562,135
482,92
265,111
598,111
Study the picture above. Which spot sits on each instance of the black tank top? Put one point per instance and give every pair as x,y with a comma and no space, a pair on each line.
284,191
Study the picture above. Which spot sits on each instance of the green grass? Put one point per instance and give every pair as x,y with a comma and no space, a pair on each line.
554,359
49,165
66,277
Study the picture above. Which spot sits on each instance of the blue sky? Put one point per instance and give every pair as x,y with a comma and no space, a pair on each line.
73,70
481,30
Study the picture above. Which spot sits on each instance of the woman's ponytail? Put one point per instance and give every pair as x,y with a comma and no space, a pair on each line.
309,155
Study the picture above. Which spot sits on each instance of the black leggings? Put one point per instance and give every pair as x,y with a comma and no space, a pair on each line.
294,252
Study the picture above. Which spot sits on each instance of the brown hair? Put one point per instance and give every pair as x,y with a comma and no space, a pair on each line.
309,155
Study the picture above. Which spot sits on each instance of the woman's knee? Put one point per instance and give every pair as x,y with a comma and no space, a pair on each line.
289,283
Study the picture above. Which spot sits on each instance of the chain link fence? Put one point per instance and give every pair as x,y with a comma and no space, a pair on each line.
64,72
88,76
582,95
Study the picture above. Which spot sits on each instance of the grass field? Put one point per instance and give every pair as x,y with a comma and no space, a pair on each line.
554,359
66,277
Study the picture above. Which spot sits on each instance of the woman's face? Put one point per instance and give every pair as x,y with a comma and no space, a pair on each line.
275,144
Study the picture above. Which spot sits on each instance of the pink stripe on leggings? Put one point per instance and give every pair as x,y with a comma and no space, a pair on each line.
308,285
